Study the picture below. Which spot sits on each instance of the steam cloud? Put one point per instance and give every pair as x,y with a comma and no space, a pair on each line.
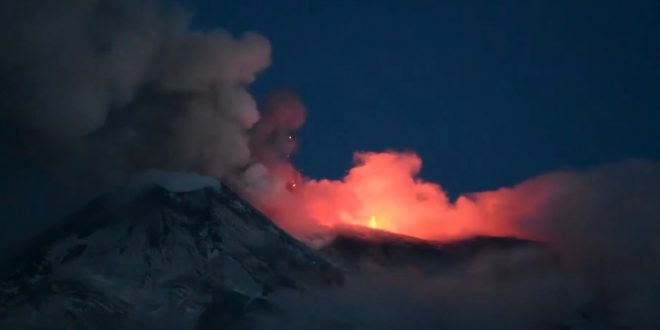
96,90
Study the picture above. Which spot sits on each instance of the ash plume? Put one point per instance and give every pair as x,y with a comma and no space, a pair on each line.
94,91
128,82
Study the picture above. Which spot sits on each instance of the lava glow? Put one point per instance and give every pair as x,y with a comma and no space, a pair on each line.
383,191
373,223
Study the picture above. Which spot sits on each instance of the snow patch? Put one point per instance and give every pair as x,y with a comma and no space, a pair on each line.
173,181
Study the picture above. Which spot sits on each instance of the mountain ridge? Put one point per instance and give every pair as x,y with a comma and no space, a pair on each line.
148,248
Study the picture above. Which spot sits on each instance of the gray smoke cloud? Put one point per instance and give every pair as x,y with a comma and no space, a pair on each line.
94,91
129,83
65,65
605,225
272,140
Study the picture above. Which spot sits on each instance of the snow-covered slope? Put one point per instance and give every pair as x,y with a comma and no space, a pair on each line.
157,259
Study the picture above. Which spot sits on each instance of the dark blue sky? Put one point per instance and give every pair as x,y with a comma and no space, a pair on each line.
488,94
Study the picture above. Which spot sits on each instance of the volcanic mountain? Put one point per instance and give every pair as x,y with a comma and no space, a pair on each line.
161,258
155,254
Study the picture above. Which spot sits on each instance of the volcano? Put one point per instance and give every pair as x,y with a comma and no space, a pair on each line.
206,259
152,255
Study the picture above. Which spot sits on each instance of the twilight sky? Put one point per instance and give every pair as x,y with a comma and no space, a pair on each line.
487,94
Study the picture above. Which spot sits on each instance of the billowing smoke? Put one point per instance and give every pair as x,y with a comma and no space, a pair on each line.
95,91
602,223
119,86
271,141
271,144
383,191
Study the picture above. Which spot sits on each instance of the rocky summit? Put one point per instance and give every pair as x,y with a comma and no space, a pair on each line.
180,260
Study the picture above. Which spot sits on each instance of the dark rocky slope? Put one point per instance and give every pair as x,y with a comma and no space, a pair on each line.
176,259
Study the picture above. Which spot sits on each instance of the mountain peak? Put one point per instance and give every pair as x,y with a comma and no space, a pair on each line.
158,252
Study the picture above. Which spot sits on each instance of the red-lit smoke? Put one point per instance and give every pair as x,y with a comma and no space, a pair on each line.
383,191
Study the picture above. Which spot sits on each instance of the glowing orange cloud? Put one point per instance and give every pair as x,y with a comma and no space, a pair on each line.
383,191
